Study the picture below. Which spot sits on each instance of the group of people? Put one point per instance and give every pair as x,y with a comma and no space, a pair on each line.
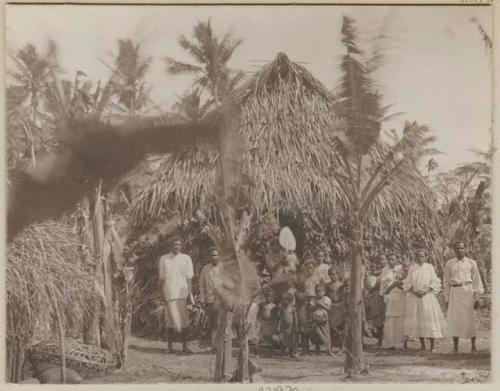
310,304
403,302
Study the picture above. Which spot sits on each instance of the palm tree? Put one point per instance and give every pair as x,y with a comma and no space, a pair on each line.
130,69
211,56
370,169
190,106
431,165
30,75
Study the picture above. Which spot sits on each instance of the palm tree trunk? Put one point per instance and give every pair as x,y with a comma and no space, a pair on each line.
354,343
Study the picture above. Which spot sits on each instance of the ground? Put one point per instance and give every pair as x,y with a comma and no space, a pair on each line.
149,363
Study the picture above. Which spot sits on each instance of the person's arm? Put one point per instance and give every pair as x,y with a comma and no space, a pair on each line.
203,291
189,275
477,285
161,278
446,282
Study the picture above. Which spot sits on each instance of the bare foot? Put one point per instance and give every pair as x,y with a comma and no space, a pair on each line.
186,350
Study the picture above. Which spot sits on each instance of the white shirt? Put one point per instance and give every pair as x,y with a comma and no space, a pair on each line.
459,271
175,270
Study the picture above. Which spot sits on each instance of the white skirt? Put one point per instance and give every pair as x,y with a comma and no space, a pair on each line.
424,317
461,317
394,332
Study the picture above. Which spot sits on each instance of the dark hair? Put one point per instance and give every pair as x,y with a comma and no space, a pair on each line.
320,286
212,249
457,242
176,239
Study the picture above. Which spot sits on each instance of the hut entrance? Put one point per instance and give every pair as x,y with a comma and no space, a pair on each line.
295,223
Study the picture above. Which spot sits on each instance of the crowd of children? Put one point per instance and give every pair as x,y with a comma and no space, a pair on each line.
308,308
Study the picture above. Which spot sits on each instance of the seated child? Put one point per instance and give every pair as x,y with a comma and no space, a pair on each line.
319,328
337,314
287,324
266,321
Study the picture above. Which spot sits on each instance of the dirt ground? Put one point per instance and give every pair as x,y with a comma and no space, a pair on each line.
150,363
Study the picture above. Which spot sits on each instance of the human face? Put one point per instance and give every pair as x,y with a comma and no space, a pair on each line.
320,292
310,268
392,261
460,250
421,257
321,256
177,247
214,257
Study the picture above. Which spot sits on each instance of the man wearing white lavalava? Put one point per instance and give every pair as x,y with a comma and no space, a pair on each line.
462,288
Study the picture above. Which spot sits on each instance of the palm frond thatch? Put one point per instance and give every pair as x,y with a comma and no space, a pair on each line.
43,267
288,122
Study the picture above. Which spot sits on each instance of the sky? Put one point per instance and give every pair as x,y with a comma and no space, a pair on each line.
436,69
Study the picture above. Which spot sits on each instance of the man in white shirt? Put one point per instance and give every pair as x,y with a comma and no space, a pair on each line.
175,274
209,280
462,288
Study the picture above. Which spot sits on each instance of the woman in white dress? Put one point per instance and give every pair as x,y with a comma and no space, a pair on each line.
392,288
424,318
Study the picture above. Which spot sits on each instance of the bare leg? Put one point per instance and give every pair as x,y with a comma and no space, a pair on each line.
431,340
422,343
185,348
473,344
455,344
170,338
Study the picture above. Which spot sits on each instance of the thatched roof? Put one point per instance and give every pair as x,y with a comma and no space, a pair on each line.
288,122
43,268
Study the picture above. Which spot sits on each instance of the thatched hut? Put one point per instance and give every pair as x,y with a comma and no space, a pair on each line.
45,282
289,121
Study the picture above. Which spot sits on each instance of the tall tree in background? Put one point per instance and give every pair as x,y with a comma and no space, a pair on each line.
211,57
369,166
130,69
30,74
191,107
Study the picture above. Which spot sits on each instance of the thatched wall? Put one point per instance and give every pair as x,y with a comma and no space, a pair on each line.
43,271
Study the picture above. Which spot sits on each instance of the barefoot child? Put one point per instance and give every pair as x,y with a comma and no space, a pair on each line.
287,326
319,327
337,313
266,321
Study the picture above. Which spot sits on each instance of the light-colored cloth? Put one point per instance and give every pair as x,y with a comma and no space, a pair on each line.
174,271
384,280
310,284
423,316
253,325
319,326
461,317
321,272
177,314
394,334
209,280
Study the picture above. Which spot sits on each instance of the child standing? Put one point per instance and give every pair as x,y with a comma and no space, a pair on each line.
266,321
319,325
337,313
287,325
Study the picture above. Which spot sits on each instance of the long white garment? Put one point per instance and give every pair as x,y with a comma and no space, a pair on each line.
394,333
423,316
174,271
461,317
